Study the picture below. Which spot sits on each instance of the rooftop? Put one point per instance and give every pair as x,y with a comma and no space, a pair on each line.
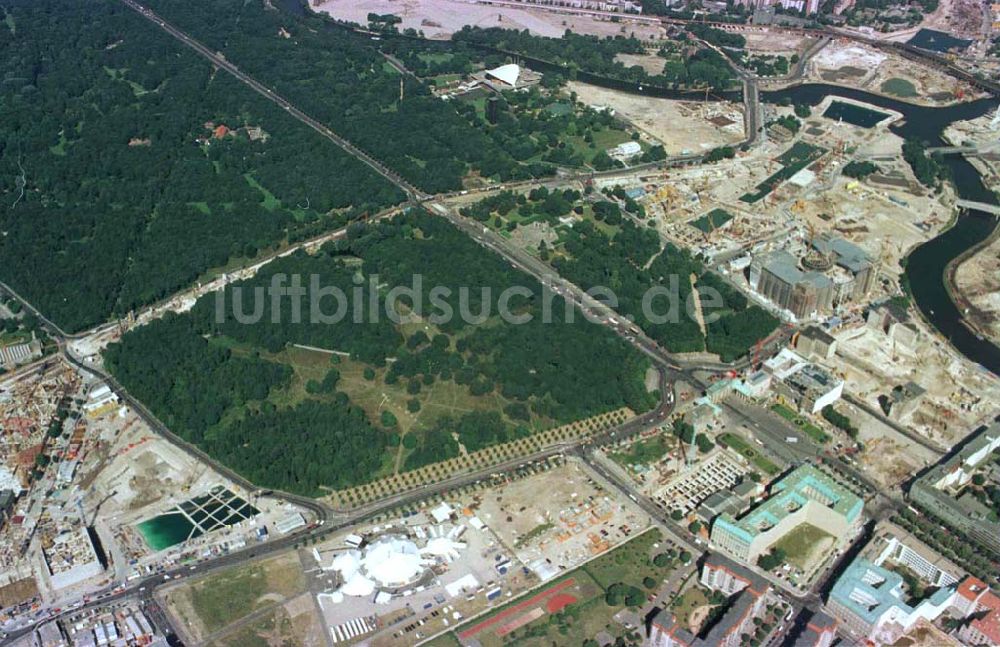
790,494
870,592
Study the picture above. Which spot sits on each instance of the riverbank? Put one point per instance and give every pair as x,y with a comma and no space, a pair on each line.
973,282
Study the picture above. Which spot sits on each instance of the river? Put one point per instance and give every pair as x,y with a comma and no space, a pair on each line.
926,264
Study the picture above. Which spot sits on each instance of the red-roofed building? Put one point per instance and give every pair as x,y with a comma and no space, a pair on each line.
982,606
220,131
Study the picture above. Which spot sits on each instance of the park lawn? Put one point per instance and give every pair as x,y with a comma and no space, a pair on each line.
16,337
448,639
802,423
685,604
800,544
630,562
435,57
740,446
374,396
445,79
270,201
643,452
603,140
590,614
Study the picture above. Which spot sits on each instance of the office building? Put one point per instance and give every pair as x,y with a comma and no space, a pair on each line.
808,386
942,490
806,496
820,631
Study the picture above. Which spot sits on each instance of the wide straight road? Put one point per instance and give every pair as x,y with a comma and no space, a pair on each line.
270,94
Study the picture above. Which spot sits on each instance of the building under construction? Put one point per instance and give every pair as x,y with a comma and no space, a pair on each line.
834,272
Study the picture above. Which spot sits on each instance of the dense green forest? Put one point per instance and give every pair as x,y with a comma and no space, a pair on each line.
223,384
115,187
697,69
341,79
928,169
606,248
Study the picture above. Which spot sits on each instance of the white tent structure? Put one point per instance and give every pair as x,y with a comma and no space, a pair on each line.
393,561
506,74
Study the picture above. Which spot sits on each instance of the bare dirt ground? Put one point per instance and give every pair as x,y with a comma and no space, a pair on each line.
848,63
977,280
888,457
559,516
680,125
959,395
775,42
441,18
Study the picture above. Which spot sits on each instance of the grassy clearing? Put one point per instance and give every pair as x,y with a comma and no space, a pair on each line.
270,201
223,599
743,448
630,562
800,544
603,140
16,337
899,87
684,605
229,596
643,452
802,423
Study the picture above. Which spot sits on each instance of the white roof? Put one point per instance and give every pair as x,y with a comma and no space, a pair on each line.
100,392
465,583
442,513
393,562
627,148
358,586
507,73
444,547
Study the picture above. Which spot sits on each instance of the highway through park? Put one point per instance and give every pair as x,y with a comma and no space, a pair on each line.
328,520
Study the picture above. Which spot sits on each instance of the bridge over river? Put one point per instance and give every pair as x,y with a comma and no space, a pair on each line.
979,206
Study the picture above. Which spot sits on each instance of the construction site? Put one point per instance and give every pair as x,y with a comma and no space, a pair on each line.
439,19
791,190
682,127
849,63
411,573
880,356
80,473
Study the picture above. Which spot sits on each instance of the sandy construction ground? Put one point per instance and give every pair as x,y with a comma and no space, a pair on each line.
889,457
775,42
681,126
441,18
650,62
977,280
959,396
847,63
